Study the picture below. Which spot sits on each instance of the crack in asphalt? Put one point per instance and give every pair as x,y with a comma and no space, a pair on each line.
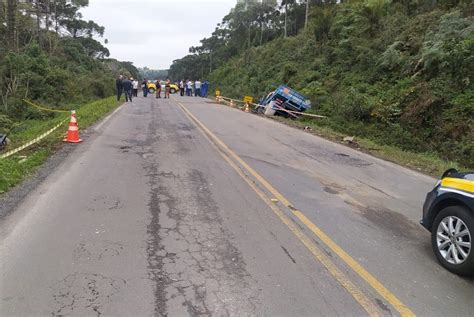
85,291
155,261
191,259
96,250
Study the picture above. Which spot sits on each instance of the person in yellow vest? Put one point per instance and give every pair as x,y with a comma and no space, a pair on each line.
167,88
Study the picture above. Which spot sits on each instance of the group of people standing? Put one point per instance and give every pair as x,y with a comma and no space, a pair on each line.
129,87
196,88
158,85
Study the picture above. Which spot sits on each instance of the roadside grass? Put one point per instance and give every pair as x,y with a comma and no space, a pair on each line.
23,164
426,163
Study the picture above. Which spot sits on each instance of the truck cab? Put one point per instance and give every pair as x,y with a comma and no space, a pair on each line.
285,98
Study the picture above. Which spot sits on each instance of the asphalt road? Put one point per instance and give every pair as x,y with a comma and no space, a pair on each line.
184,207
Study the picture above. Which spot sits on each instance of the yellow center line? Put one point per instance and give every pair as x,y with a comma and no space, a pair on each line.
346,258
308,243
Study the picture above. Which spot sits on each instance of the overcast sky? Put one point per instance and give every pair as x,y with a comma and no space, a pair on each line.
153,33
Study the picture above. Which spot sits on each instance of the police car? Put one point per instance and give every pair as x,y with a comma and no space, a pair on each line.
448,213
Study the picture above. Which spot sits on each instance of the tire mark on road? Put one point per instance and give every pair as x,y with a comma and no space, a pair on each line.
288,254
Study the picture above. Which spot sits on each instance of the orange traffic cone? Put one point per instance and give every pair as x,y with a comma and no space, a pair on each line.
246,108
73,131
231,104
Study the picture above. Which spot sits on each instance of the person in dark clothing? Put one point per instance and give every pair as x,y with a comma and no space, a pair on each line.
127,87
158,88
119,86
145,87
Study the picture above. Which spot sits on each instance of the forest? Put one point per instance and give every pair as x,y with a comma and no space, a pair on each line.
396,72
49,54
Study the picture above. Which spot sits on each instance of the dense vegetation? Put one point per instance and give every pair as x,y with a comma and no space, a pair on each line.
48,54
397,72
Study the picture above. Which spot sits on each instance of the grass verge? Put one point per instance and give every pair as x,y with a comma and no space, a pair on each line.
19,166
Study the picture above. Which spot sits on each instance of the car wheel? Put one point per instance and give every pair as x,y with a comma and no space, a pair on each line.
451,237
172,90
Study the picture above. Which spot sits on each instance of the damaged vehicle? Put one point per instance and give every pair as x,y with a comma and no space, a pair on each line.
284,101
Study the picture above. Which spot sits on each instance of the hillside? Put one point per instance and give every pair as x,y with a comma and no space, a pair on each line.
397,73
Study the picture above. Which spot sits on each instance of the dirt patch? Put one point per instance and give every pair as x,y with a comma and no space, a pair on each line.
391,221
331,190
346,159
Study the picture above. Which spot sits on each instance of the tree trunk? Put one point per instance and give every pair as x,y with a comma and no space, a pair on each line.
210,61
306,15
56,27
38,21
47,15
286,19
248,38
11,23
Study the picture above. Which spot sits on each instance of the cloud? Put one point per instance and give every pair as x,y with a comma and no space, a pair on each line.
153,33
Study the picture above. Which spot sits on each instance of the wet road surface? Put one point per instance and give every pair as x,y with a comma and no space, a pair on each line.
184,207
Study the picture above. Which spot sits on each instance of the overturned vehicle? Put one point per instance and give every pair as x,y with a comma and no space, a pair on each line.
284,101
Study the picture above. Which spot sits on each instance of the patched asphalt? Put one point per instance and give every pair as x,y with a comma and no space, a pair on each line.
146,218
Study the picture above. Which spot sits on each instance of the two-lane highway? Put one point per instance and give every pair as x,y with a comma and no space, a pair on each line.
185,207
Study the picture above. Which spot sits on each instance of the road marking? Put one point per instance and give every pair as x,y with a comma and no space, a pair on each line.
308,243
319,255
353,264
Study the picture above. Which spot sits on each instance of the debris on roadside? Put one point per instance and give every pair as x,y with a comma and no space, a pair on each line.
348,139
3,141
22,158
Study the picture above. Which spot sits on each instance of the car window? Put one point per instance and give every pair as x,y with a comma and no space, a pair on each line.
469,177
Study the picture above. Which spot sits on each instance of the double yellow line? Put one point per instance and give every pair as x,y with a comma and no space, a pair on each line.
234,161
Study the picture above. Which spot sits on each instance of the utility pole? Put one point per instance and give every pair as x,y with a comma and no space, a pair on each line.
286,18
